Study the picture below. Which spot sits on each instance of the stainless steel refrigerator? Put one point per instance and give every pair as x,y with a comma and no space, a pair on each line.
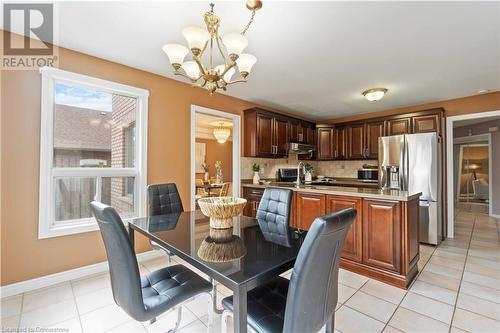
412,162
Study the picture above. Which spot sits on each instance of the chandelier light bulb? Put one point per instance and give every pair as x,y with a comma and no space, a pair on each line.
245,63
196,37
191,68
229,74
235,44
374,94
175,53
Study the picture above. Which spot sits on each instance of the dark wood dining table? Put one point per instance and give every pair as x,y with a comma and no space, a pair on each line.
185,233
209,187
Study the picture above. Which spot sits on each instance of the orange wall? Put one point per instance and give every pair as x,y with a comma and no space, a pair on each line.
23,255
452,107
214,152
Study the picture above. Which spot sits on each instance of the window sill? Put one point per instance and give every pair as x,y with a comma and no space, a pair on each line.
86,225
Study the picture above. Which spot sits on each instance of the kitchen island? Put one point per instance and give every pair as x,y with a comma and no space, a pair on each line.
383,241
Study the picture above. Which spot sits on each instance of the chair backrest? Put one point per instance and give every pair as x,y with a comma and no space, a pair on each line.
123,268
224,190
164,199
312,293
273,215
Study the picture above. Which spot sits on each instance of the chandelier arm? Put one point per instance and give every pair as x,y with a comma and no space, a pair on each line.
237,81
184,75
249,23
228,67
200,66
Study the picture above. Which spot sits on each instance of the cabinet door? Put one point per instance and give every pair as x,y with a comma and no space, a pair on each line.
309,207
356,141
339,140
253,196
398,126
325,143
310,135
280,136
293,129
265,135
353,249
374,130
382,234
424,124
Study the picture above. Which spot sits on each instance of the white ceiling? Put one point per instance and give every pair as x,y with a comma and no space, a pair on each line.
314,58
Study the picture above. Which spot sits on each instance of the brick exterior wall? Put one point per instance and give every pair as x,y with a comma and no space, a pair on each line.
123,116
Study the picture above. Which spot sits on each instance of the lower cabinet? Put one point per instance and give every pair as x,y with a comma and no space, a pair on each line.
309,206
253,196
353,249
382,237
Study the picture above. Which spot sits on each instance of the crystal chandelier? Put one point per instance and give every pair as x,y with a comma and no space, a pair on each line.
207,41
221,133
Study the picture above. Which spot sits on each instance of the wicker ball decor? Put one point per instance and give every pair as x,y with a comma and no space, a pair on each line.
221,210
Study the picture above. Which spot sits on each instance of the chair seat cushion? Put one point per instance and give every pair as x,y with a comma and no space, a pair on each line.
169,286
265,305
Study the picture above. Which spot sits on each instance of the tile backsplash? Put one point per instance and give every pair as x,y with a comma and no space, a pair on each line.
269,167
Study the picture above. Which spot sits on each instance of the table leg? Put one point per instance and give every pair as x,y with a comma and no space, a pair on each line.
330,324
131,236
240,310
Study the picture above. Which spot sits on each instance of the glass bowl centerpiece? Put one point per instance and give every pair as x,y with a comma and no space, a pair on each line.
221,210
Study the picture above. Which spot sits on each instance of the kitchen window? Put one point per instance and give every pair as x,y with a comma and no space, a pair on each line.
92,147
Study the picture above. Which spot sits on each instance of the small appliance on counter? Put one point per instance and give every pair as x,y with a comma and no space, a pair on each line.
286,175
369,173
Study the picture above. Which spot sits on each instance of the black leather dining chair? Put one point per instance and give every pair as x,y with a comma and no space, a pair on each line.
273,215
308,300
142,298
163,199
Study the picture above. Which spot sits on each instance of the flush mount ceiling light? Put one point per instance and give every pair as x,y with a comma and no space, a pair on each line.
483,91
222,131
374,94
206,41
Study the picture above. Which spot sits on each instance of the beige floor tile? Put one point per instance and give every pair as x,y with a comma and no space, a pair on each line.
489,243
69,326
103,319
130,327
493,272
429,290
200,305
91,284
384,291
157,263
349,320
483,262
439,280
486,293
11,306
94,300
427,249
448,262
351,279
473,322
372,306
195,327
167,321
410,321
457,330
10,323
452,249
428,307
482,280
345,293
443,270
49,315
478,305
47,296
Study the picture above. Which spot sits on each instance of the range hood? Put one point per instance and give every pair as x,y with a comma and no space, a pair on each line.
300,148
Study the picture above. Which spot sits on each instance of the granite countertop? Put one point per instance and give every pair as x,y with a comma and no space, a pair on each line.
361,192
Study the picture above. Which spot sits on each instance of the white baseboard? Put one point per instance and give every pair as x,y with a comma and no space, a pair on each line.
495,216
76,273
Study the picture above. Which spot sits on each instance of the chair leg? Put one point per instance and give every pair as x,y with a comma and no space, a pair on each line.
330,324
179,318
210,314
214,297
169,260
224,320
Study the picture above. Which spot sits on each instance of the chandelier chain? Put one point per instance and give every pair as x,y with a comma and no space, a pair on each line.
249,23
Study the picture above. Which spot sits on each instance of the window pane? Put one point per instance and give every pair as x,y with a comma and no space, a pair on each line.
93,128
118,192
72,198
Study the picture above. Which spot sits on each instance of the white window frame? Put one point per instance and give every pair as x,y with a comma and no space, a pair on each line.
46,226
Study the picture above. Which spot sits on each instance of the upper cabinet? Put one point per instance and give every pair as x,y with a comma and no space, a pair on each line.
340,142
398,126
267,134
356,141
373,131
325,143
426,123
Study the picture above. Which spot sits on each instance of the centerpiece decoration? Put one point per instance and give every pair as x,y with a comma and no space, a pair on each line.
221,210
221,246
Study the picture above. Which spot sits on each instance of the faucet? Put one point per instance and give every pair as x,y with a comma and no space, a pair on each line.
301,164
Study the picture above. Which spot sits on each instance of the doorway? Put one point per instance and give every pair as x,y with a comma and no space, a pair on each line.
215,154
471,184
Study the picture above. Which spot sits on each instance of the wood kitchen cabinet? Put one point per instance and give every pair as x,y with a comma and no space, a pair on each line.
382,239
427,123
339,142
325,143
356,141
373,131
265,135
309,206
353,249
293,130
253,196
398,126
281,136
